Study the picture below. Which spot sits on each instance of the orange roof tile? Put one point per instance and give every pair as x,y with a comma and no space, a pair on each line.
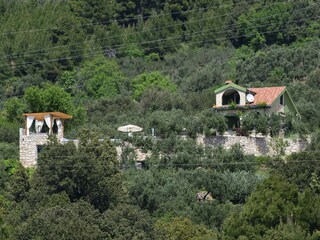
266,94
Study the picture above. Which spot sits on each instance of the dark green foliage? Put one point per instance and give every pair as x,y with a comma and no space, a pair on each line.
315,142
255,121
3,230
212,123
258,68
230,186
233,160
310,116
262,124
100,78
167,123
211,214
181,228
9,132
154,99
32,51
89,172
7,169
308,211
204,77
156,64
272,210
248,122
18,185
67,80
314,79
150,80
127,222
259,26
302,169
273,202
162,192
176,191
286,231
66,221
106,115
51,99
275,125
14,108
92,11
186,155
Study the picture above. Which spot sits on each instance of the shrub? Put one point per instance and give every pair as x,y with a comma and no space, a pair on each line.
152,57
262,104
9,132
275,124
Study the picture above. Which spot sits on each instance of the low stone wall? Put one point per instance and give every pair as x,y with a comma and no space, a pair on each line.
256,145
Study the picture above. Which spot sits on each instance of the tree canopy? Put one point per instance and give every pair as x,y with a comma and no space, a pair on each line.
156,64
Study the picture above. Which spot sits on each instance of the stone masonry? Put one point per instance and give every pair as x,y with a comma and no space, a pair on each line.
28,147
256,145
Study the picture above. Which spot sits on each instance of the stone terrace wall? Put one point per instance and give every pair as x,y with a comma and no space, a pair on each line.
28,147
258,146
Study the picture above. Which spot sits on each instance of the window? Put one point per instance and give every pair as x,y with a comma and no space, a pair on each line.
281,100
39,148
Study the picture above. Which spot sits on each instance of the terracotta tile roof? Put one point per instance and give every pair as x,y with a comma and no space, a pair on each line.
266,94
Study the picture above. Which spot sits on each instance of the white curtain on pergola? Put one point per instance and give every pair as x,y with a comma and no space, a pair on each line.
29,123
47,119
59,124
39,125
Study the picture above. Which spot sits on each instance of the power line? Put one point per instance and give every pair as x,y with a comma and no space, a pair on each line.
111,37
137,17
171,164
188,66
158,40
139,32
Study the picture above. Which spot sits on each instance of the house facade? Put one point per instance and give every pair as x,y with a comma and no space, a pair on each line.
233,100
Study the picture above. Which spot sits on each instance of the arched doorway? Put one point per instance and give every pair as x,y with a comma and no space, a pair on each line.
229,96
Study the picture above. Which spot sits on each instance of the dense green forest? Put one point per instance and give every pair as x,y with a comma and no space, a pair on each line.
156,64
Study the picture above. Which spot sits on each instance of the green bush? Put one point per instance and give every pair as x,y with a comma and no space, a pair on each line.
151,80
14,108
9,132
275,124
8,151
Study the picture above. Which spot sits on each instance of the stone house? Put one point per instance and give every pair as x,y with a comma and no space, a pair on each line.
37,129
232,98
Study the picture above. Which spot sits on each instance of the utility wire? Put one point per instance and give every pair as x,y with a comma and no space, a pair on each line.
158,40
138,17
134,33
114,36
174,69
204,164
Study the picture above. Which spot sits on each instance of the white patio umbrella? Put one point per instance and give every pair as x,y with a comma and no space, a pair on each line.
130,128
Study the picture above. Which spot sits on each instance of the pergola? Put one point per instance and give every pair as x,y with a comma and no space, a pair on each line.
45,117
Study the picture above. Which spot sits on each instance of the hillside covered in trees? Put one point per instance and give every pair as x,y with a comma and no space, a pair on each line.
156,64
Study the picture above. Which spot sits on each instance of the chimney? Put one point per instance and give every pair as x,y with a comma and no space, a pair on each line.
228,82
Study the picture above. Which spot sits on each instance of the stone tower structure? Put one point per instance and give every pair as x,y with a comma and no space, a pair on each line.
38,127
